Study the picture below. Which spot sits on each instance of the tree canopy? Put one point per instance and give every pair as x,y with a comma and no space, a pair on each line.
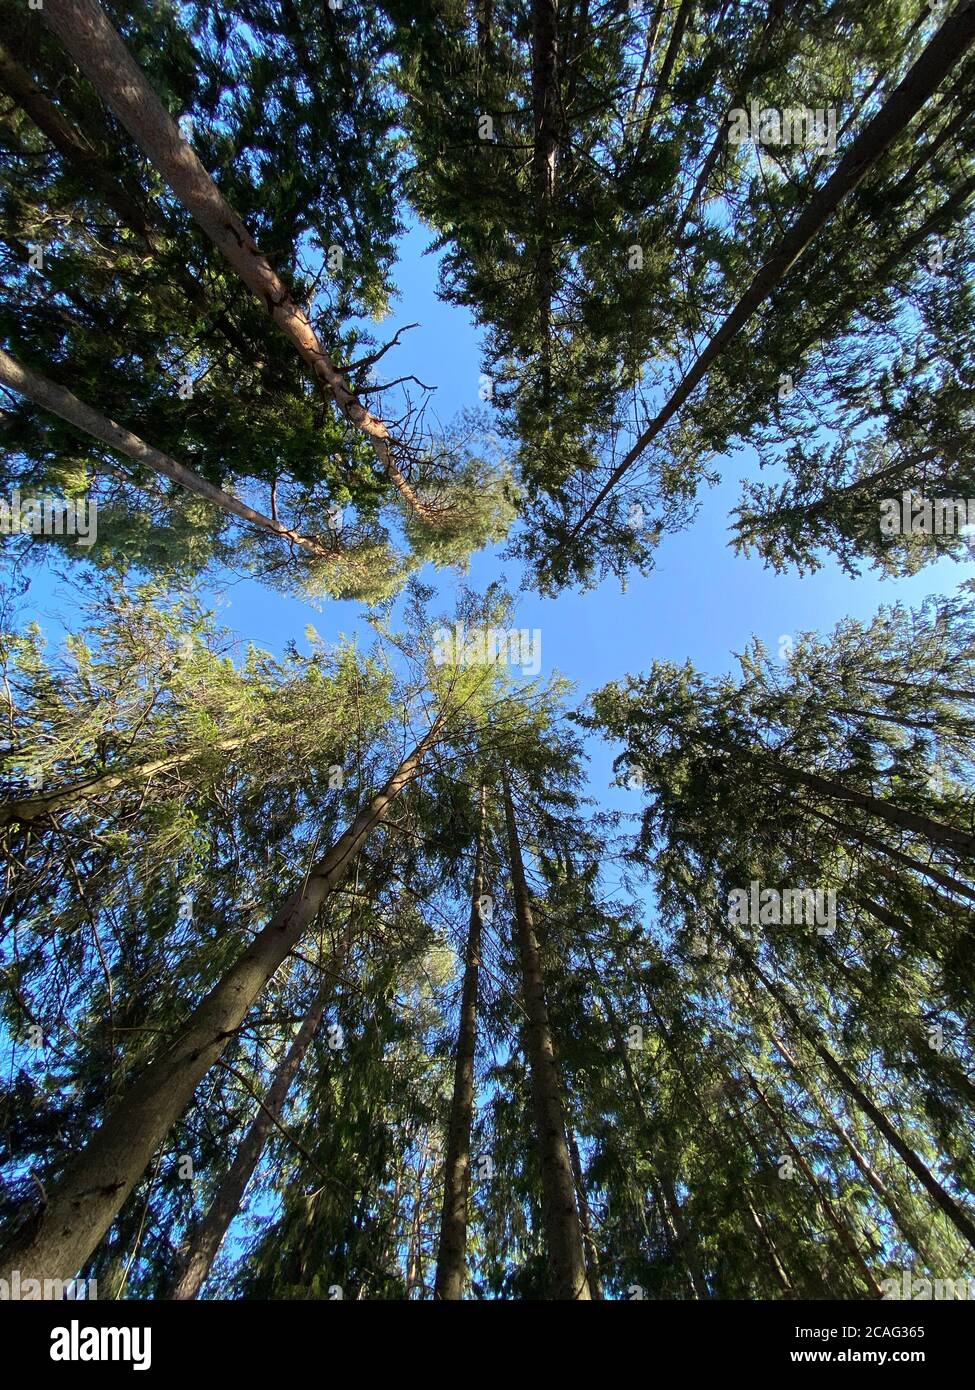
329,972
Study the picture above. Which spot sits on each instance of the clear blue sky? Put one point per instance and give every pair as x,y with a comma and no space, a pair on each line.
702,602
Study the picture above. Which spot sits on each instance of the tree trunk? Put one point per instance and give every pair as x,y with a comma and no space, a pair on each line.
895,922
414,1253
902,722
667,67
585,1219
88,35
33,808
663,1189
945,50
906,1227
653,29
698,1281
955,1212
452,1250
829,1210
545,111
485,25
195,1265
773,18
947,692
82,1206
78,148
567,1259
70,144
778,1269
855,836
545,99
44,392
881,275
936,832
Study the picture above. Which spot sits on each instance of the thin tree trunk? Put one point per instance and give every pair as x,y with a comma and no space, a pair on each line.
691,1092
908,468
664,1192
80,1209
653,30
57,399
902,722
881,275
585,1218
388,1263
195,1265
945,50
829,1210
956,1077
936,832
855,836
778,1270
906,1227
667,67
665,1202
33,808
87,33
955,1212
545,110
414,1254
566,1256
895,923
946,692
737,1119
773,18
452,1250
70,144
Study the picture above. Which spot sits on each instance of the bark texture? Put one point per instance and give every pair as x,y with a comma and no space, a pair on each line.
59,401
452,1250
89,36
82,1206
567,1259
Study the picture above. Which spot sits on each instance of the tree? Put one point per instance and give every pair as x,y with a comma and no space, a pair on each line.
98,50
566,1255
195,1265
452,1249
61,402
330,974
919,85
756,782
135,317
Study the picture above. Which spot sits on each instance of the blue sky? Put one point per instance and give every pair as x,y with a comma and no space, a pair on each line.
702,602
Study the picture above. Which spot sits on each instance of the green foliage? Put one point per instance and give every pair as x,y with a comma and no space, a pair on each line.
759,1109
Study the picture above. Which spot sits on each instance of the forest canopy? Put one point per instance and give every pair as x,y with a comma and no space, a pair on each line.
328,970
